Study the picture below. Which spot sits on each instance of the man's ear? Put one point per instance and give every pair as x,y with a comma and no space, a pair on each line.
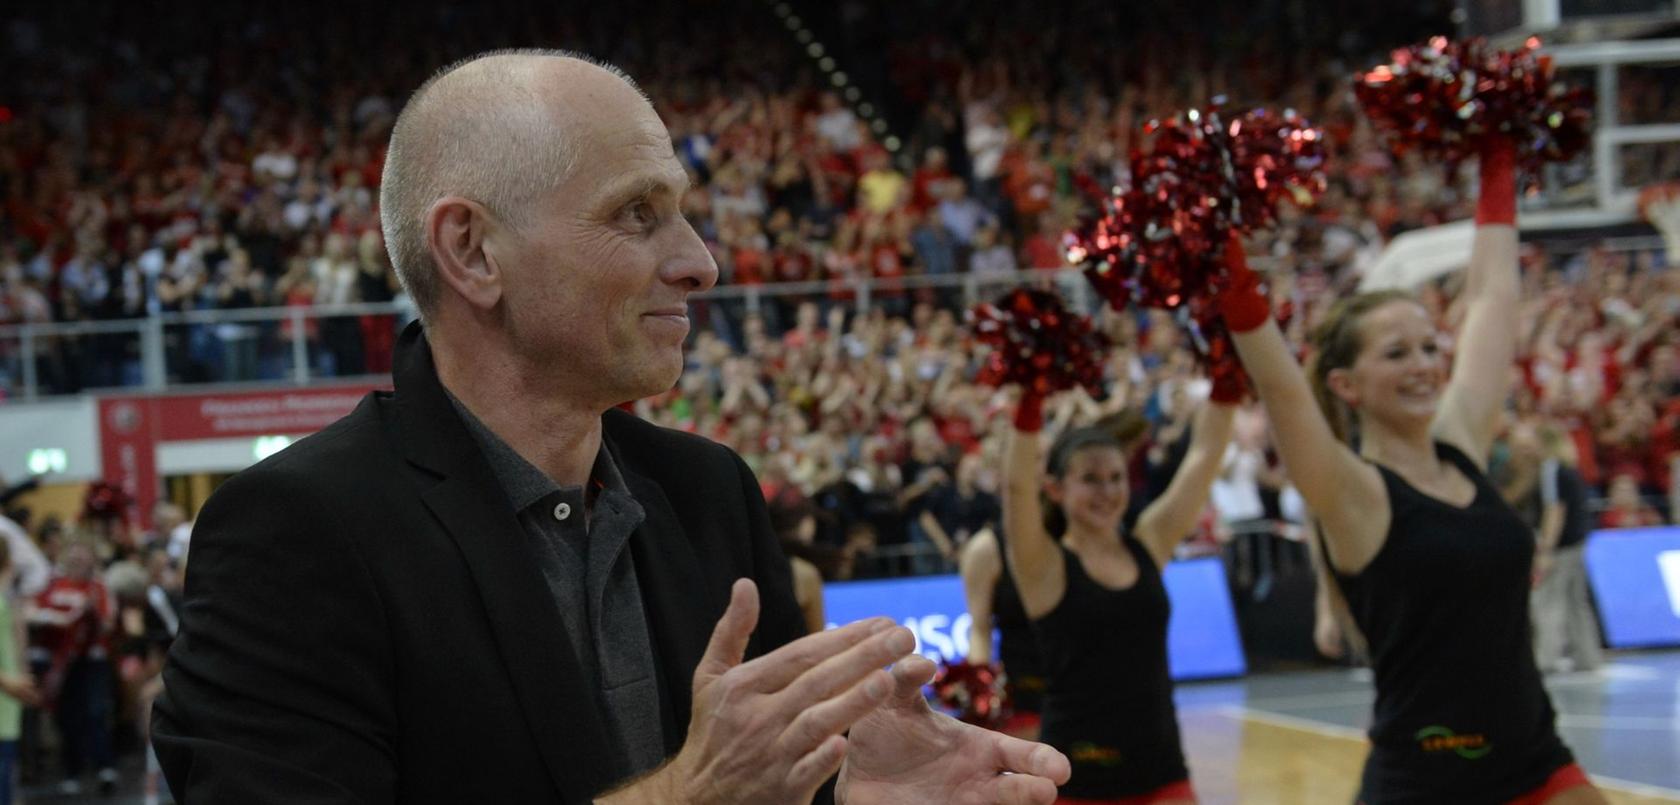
456,229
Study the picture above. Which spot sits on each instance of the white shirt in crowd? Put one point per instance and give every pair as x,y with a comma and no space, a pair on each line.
986,140
32,572
1236,492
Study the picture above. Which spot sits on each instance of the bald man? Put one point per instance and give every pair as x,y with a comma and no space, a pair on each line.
490,585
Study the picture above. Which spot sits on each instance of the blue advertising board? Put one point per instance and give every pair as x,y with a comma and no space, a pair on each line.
1202,639
1635,576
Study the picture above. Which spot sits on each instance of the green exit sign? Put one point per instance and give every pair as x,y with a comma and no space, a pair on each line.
43,460
266,446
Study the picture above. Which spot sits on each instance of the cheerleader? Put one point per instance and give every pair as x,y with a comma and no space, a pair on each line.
1391,456
1096,601
993,601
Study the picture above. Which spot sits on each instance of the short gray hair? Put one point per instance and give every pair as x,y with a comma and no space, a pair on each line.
479,129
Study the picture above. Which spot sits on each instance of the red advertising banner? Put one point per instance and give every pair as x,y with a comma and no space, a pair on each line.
128,450
292,412
131,428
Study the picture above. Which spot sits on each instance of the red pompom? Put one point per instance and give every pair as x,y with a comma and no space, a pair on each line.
971,692
1160,240
1039,344
105,501
1448,99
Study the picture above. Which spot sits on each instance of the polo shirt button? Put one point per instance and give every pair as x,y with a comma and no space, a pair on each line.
562,511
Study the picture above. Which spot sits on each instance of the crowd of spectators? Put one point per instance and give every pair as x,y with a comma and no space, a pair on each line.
1012,130
142,174
91,609
139,176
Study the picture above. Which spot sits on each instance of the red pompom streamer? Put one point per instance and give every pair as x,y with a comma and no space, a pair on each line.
971,692
1038,344
1447,98
1159,240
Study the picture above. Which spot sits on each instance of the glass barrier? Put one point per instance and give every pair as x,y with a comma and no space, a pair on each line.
295,345
71,359
208,350
1644,164
11,366
1636,121
1648,93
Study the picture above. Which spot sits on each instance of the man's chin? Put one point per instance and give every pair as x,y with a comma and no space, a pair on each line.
654,381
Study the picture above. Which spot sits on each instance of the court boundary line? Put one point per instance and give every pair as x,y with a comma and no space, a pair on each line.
1601,722
1359,697
1242,713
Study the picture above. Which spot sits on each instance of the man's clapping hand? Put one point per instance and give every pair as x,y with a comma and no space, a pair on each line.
772,730
903,753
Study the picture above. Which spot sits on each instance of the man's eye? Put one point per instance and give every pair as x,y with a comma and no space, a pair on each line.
640,215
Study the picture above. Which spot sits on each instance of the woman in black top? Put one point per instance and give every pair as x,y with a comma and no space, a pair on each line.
1097,603
993,601
1432,563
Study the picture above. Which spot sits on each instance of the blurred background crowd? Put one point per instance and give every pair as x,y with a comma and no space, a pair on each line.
228,158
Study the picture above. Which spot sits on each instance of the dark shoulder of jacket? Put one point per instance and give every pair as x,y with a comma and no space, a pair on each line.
333,461
662,453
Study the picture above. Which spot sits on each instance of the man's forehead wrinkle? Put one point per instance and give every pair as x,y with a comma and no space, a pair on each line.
627,140
645,182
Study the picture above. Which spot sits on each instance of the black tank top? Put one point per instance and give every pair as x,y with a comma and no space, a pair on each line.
1461,714
1109,702
1017,652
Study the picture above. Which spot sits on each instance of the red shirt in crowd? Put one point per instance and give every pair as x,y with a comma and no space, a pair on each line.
74,617
750,266
1042,251
1629,518
792,265
1664,444
921,188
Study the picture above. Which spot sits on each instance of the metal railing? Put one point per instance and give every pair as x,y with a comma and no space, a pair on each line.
295,345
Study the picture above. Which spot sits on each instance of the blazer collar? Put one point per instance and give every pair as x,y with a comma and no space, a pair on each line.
672,584
561,712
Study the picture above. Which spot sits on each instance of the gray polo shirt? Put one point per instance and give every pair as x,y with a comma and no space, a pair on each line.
580,541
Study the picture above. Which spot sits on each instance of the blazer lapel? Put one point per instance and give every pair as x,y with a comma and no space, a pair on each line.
673,597
560,710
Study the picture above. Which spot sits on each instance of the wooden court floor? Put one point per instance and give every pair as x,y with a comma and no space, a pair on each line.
1241,756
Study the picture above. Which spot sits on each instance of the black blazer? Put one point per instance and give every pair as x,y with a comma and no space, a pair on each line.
364,623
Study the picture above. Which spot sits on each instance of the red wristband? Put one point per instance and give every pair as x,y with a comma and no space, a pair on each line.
1029,413
1497,203
1241,303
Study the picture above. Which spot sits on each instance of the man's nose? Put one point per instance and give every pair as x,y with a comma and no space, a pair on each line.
692,267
